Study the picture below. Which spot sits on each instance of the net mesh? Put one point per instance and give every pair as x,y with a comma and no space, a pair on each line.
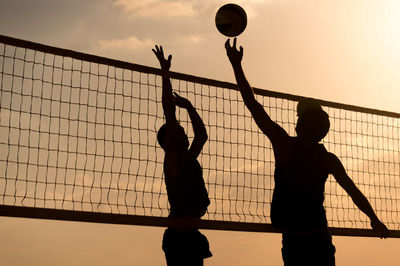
80,135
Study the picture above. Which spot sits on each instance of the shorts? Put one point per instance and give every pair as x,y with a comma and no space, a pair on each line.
308,249
185,245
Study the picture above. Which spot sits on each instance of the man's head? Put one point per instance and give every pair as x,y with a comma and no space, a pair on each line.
313,122
181,137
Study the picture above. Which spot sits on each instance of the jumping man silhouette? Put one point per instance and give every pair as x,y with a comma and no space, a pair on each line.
302,166
183,244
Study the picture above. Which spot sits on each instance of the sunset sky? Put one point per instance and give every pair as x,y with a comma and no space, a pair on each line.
346,51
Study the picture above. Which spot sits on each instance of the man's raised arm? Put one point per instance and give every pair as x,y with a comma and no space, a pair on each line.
168,102
273,131
199,130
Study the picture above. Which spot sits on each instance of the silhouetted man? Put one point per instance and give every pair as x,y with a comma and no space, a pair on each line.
183,244
302,166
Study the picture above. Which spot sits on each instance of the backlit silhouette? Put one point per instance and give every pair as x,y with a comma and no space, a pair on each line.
183,244
302,166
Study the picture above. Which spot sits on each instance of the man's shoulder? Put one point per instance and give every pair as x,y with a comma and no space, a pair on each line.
332,162
331,157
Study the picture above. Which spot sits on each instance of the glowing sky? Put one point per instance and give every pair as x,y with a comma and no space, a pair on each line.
337,50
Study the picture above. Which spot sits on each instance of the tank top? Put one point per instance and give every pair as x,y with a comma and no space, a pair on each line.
187,194
297,202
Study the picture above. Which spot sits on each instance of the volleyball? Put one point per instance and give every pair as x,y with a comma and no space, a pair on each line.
231,20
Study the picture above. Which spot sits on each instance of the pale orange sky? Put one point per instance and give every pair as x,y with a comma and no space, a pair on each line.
339,50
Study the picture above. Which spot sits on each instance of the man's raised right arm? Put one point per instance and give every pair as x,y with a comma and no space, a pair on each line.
271,129
167,97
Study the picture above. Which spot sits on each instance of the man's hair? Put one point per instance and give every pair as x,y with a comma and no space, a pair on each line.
161,135
306,104
314,124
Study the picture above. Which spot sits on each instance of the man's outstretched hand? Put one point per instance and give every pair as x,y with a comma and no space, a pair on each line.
164,63
235,56
379,228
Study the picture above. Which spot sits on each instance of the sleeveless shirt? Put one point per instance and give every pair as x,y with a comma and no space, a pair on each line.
297,202
187,194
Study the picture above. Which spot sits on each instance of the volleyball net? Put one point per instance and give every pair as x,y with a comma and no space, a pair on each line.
78,142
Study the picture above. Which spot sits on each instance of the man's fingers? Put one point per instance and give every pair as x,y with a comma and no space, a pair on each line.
227,44
385,233
159,52
382,231
233,47
156,51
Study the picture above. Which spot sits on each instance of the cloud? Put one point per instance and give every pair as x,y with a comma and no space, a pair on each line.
164,9
157,8
133,43
130,43
189,39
